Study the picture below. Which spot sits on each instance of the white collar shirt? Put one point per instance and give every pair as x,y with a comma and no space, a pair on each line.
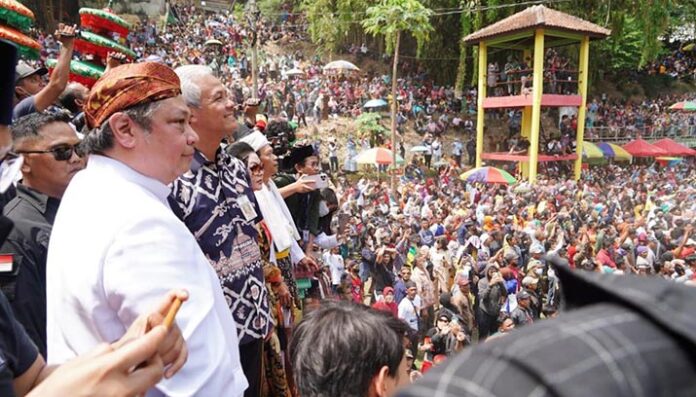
115,251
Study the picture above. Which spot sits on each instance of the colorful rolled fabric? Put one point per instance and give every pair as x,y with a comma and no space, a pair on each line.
84,73
101,21
91,43
16,15
128,85
28,47
488,175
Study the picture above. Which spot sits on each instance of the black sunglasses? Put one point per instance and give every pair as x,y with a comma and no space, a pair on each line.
60,152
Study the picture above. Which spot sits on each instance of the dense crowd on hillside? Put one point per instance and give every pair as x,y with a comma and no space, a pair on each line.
282,265
679,64
315,95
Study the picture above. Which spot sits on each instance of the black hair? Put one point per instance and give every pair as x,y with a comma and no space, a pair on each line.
340,347
328,195
68,99
28,126
240,150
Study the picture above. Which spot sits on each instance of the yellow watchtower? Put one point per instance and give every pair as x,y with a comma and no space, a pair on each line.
531,32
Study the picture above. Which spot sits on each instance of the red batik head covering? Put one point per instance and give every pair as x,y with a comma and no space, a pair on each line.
128,85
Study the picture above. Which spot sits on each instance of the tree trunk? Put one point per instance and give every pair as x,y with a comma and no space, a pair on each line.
255,68
461,71
393,110
460,82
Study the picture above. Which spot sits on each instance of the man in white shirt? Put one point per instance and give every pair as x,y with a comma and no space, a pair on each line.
117,247
409,311
335,262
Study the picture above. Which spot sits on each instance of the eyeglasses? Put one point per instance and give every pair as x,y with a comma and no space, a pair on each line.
60,152
256,168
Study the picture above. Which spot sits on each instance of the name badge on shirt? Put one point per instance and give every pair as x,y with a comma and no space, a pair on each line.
246,207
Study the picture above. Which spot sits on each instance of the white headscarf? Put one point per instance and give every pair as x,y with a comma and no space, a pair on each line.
256,140
277,217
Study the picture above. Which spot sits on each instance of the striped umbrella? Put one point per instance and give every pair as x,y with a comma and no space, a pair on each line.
377,155
668,161
686,106
614,151
591,151
488,175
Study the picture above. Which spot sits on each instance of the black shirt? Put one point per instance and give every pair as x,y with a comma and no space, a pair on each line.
33,214
17,352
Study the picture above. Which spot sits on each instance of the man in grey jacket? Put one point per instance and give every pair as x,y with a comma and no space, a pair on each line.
491,295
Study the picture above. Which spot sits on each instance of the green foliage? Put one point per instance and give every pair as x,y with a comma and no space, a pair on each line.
369,124
238,12
270,8
636,28
392,17
324,27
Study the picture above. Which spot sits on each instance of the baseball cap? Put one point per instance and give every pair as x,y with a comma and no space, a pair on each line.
523,295
24,70
536,248
528,280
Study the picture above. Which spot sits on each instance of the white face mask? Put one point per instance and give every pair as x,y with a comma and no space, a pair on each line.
323,209
539,271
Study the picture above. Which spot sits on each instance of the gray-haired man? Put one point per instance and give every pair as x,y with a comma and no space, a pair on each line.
216,202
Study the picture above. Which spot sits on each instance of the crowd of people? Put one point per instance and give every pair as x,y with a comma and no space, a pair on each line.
679,64
180,184
650,118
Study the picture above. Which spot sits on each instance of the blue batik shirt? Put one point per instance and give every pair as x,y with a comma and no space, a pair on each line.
216,202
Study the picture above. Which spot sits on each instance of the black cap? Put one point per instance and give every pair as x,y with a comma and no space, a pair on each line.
690,258
298,154
446,315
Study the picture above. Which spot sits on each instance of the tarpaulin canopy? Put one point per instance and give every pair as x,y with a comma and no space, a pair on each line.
642,148
674,148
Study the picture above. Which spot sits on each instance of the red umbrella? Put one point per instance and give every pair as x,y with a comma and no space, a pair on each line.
642,148
674,148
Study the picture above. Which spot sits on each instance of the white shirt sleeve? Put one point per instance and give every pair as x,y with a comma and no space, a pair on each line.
326,242
296,252
136,276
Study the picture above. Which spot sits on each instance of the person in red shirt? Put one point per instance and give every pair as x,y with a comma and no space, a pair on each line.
356,289
388,304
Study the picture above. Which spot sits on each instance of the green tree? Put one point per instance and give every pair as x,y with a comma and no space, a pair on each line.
390,18
369,124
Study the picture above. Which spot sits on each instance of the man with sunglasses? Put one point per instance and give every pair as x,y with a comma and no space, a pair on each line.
51,157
